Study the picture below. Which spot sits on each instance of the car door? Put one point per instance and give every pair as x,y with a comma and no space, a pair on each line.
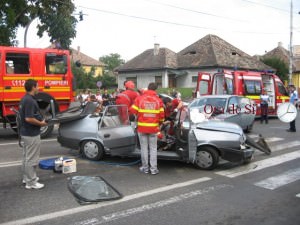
247,114
233,114
116,131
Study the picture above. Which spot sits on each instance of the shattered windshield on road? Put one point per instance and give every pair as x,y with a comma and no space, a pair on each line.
89,189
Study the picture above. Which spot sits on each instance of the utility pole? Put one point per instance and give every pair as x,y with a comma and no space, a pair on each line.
25,34
291,45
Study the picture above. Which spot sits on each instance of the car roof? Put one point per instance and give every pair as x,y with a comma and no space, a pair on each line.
218,96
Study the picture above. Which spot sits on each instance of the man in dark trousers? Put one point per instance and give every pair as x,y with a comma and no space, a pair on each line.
293,100
31,123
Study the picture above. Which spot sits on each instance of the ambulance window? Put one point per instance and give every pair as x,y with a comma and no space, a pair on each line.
252,87
229,86
281,89
56,64
203,87
17,63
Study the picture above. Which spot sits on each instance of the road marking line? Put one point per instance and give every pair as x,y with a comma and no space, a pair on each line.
284,146
16,143
259,165
129,212
298,195
280,147
287,177
274,139
54,215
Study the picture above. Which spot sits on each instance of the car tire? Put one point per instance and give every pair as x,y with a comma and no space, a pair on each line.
207,158
46,131
92,150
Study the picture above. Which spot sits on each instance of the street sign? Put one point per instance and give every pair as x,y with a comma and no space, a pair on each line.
99,84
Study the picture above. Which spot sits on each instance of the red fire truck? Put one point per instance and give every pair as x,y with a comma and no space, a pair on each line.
50,67
245,83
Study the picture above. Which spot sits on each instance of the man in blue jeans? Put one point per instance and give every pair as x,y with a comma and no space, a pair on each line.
31,123
293,100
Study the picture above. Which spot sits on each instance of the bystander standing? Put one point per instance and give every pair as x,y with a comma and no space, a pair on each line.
31,122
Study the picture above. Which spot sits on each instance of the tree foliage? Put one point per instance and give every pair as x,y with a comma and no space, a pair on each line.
281,67
55,18
112,61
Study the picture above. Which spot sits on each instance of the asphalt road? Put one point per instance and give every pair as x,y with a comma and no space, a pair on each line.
265,191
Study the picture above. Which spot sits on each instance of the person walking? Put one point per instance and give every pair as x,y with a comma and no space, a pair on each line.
264,106
31,121
293,100
149,110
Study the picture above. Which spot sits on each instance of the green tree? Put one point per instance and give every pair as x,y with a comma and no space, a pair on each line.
112,61
55,18
281,67
83,80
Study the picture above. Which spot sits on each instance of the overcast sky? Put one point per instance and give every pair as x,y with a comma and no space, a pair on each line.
129,27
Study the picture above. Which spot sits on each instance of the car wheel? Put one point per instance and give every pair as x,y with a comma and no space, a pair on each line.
46,131
92,150
207,158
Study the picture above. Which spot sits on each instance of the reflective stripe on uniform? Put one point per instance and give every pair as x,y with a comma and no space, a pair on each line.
149,111
148,124
135,107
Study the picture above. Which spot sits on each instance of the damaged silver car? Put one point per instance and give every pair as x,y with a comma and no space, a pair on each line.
195,141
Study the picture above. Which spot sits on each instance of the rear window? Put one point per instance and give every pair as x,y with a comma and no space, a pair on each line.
214,102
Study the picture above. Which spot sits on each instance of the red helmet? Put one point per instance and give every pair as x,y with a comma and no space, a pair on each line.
129,84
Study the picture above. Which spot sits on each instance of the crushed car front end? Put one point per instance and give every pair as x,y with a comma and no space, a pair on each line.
228,140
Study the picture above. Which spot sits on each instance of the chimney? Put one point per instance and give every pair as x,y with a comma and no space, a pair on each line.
78,50
280,44
156,49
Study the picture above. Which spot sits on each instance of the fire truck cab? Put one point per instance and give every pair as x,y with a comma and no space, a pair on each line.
50,67
245,83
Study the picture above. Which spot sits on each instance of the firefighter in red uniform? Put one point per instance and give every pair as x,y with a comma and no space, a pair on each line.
171,109
149,110
127,98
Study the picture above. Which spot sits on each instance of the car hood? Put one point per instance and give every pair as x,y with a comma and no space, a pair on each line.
220,126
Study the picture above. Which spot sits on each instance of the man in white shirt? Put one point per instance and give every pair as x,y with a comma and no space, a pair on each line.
264,105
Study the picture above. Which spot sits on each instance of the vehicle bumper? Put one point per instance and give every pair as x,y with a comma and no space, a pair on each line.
238,155
248,152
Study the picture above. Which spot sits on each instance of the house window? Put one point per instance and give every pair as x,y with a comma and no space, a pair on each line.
194,79
158,81
132,79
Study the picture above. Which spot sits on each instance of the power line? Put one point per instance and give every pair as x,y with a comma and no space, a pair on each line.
268,6
169,22
145,18
195,11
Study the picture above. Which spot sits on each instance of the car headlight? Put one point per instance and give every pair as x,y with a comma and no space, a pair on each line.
242,139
